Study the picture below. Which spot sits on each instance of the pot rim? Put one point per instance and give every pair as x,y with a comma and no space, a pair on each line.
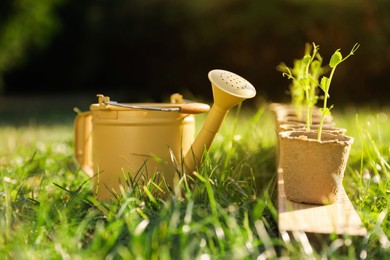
311,136
300,127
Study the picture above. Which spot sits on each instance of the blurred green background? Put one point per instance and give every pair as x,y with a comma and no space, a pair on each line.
147,49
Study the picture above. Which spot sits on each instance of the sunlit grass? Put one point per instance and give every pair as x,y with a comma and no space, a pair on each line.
226,210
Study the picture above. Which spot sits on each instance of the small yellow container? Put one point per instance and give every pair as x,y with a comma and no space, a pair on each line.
113,143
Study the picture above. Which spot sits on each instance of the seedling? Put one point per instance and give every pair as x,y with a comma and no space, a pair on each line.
335,60
305,81
304,76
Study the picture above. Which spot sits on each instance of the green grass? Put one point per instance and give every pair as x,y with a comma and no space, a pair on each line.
48,211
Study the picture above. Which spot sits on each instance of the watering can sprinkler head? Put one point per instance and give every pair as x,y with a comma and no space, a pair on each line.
229,89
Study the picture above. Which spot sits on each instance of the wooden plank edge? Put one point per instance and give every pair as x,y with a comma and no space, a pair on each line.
338,218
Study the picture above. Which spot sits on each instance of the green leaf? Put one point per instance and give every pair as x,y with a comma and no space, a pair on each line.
325,111
305,83
305,60
335,59
307,48
314,66
324,84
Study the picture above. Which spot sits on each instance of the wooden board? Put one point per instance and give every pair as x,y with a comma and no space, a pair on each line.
337,218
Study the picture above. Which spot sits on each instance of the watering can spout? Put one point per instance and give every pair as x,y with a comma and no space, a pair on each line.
229,90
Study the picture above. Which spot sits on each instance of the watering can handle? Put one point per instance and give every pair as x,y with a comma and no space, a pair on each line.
83,141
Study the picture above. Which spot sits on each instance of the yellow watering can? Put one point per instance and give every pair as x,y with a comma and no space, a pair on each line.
114,140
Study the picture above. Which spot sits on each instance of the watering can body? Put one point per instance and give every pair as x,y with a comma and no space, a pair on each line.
114,144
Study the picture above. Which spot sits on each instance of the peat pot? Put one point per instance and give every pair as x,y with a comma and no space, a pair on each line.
285,114
313,170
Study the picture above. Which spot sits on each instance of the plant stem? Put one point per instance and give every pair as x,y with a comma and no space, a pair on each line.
308,89
326,88
320,126
325,103
308,112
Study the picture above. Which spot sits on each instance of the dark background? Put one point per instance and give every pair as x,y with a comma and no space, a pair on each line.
146,49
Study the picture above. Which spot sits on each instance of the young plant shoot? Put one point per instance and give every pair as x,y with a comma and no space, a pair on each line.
304,76
335,60
305,81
